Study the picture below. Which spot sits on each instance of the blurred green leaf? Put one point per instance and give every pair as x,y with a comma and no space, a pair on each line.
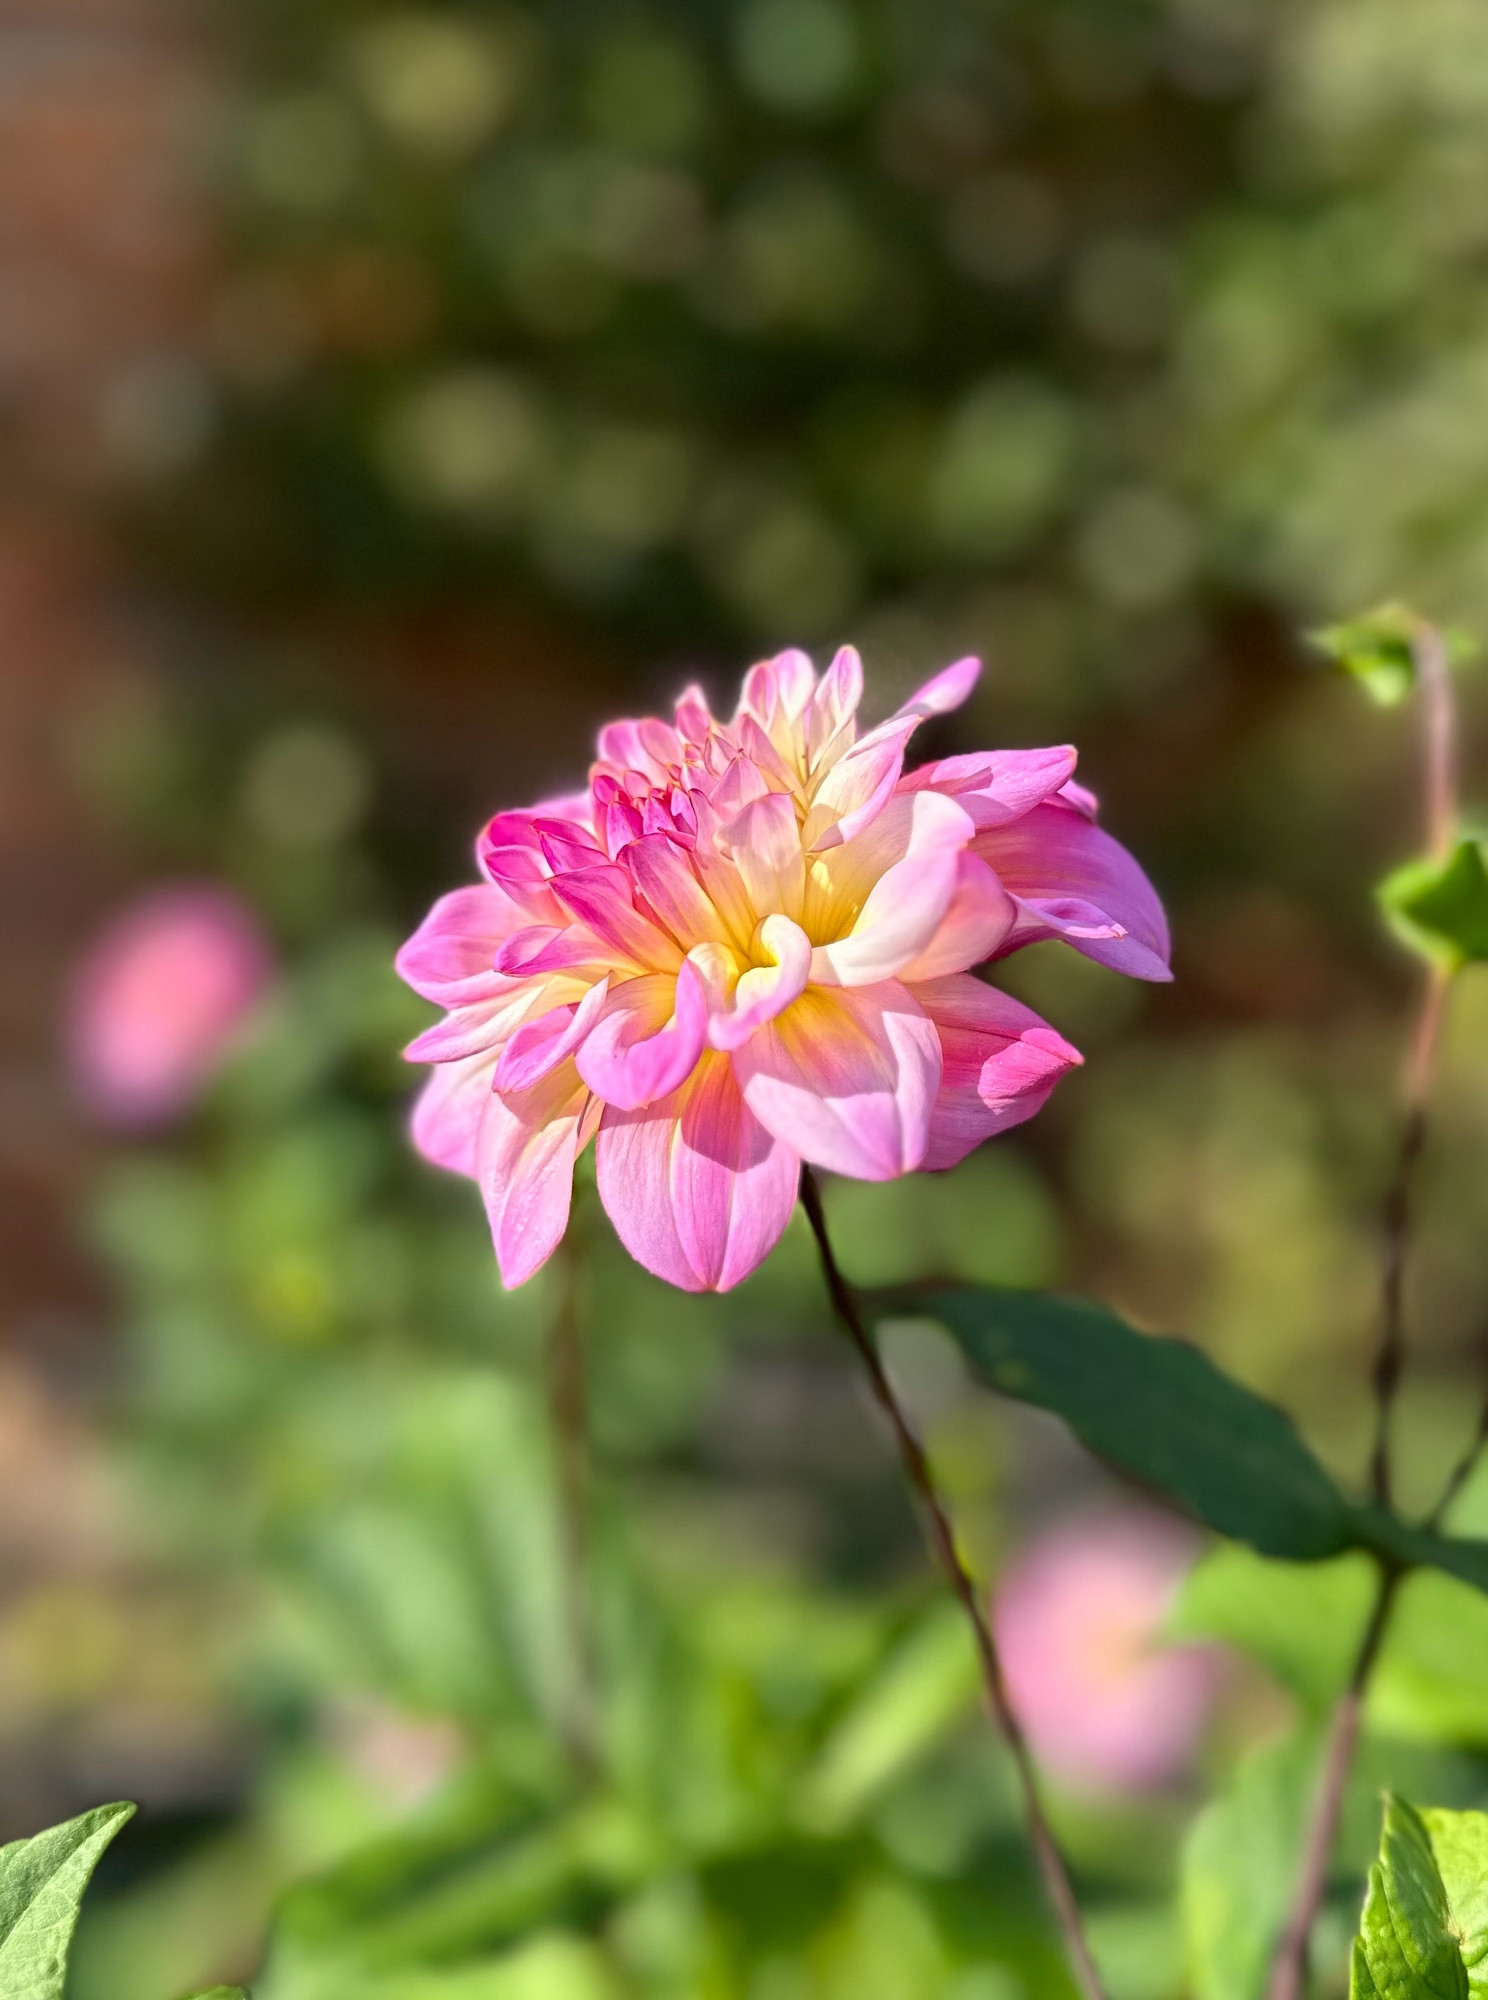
220,1993
1407,1947
1302,1621
41,1886
1440,908
1238,1866
1378,649
1158,1410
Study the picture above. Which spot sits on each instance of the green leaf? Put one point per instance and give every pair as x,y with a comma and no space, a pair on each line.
1440,908
41,1885
1459,1841
1158,1410
1302,1621
220,1993
1407,1946
1378,649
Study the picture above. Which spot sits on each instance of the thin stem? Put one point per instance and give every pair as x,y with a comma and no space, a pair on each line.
1439,789
1395,1224
1463,1470
569,1424
1289,1968
942,1536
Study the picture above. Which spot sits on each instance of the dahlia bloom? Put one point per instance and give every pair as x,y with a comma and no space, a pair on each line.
1078,1618
158,999
746,944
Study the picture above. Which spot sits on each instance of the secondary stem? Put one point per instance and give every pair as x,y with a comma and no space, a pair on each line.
1439,787
942,1536
569,1423
1289,1970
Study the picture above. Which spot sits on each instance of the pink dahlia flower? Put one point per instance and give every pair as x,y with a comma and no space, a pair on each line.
745,945
1078,1619
158,999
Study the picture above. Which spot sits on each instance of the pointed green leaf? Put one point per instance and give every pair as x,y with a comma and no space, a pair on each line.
1440,908
1158,1410
1459,1840
1407,1948
41,1885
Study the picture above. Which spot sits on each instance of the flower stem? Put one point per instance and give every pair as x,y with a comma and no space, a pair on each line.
1439,790
569,1427
942,1536
1289,1968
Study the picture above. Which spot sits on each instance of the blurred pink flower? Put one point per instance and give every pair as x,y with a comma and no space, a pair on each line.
1078,1617
158,998
745,945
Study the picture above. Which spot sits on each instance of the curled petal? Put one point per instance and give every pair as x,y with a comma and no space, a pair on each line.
699,1192
764,843
647,1040
1000,1064
979,920
858,786
468,1030
996,786
847,1077
834,704
945,690
539,1045
664,876
601,898
525,1153
451,957
1072,880
842,879
905,908
763,991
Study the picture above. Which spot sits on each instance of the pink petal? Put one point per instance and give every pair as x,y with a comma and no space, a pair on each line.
1072,880
648,1039
538,1046
904,910
451,957
945,690
1000,1064
843,879
847,1077
467,1030
449,1111
696,1187
834,703
858,786
764,842
764,990
980,918
996,786
664,877
550,948
602,898
528,1142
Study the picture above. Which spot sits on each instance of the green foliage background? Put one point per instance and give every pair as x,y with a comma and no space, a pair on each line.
556,353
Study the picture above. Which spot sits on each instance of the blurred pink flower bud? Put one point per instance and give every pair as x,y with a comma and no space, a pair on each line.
1107,1706
158,998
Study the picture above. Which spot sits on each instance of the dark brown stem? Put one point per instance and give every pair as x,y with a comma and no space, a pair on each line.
1462,1471
943,1539
1289,1968
569,1424
1395,1220
1439,787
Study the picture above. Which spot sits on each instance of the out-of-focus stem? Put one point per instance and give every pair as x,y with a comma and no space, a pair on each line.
943,1539
1289,1968
569,1422
1439,790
